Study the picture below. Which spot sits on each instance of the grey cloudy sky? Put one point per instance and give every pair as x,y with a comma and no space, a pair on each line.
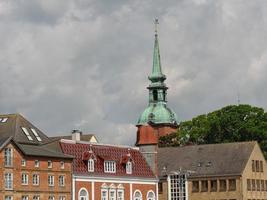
69,64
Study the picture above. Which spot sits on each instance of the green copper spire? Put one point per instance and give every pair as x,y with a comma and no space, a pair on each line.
157,111
156,70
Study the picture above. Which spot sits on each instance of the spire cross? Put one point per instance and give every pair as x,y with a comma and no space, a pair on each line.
156,25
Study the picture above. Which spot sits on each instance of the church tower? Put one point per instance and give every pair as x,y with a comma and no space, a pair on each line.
157,119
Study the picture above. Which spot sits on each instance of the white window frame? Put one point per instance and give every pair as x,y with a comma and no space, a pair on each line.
26,132
112,191
136,198
62,198
51,197
24,179
49,164
36,197
8,181
35,179
36,135
4,120
106,192
8,156
8,197
62,165
120,190
51,180
129,167
91,165
151,192
25,197
36,163
61,180
86,197
109,166
23,162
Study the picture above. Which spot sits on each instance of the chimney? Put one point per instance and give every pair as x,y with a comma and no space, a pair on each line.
76,135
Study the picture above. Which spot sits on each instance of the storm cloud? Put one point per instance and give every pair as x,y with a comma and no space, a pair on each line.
83,64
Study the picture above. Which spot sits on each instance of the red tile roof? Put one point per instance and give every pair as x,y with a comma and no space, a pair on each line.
106,152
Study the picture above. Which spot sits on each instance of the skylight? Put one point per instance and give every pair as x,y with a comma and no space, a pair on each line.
27,133
3,120
36,134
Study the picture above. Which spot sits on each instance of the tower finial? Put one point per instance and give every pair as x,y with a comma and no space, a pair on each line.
156,22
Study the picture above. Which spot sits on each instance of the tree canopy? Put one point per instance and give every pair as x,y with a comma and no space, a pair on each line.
232,123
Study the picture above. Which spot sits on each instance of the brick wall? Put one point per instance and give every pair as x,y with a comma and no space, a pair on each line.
43,190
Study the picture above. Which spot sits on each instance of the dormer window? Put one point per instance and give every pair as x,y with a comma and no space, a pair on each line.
110,166
91,165
129,167
27,133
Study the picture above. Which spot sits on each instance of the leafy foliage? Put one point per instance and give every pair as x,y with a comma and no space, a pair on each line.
229,124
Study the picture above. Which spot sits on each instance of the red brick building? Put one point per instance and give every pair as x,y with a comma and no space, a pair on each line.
109,172
30,167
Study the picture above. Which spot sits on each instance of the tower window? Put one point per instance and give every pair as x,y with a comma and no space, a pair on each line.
155,95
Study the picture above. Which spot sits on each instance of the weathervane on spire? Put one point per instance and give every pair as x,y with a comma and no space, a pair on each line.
156,22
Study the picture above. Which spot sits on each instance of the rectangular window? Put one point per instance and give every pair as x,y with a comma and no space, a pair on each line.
195,186
262,185
91,165
35,179
25,197
222,185
257,166
36,163
27,133
8,197
112,194
50,180
4,120
24,179
249,185
49,164
253,183
213,185
8,181
120,195
129,167
23,163
110,166
160,187
204,186
178,186
258,185
232,184
36,134
51,198
104,195
36,197
8,154
61,180
253,166
261,166
62,165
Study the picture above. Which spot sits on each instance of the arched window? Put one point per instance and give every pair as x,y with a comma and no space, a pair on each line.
129,167
83,194
137,195
91,165
150,195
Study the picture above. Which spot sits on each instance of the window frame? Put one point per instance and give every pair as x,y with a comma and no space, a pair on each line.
61,180
91,165
150,192
8,181
51,180
137,198
110,166
35,181
129,167
24,178
8,157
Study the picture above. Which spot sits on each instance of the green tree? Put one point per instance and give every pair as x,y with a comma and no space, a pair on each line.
232,123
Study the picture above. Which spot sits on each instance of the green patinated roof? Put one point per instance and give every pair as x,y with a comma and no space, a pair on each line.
157,114
157,111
